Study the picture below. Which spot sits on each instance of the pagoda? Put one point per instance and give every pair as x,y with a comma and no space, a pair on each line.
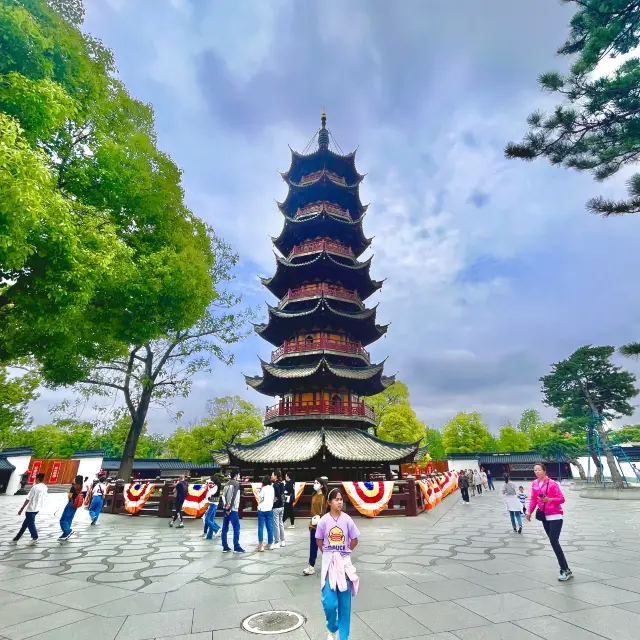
321,371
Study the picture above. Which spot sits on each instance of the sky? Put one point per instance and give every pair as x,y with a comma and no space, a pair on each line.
494,269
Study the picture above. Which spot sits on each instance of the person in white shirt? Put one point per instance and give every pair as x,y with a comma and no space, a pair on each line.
98,493
86,486
33,504
266,496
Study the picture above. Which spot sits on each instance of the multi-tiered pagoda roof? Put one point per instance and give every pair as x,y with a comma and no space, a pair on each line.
321,371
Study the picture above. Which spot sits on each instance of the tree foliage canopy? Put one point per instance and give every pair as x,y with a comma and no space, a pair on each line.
467,433
97,250
15,394
596,126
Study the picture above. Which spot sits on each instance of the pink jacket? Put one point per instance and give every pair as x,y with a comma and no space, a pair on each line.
338,568
552,490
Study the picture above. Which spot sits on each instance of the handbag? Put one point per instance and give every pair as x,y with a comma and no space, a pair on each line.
78,501
315,520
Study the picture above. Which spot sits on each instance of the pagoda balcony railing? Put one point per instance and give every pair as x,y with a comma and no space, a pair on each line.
318,207
312,177
322,245
321,341
319,407
322,288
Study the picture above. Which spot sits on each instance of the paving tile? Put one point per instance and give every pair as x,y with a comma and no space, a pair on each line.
552,628
7,597
371,598
22,584
503,607
610,622
634,607
444,616
212,618
619,569
26,609
198,593
92,628
262,590
391,627
88,598
241,634
496,566
458,571
451,589
411,595
36,626
65,585
630,584
204,635
316,628
506,582
154,625
133,604
554,600
502,631
597,594
434,636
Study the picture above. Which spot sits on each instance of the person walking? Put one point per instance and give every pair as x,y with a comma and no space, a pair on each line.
33,504
472,487
490,480
318,509
522,496
278,508
74,501
181,489
86,486
463,484
97,499
266,497
547,498
211,527
477,480
289,499
231,501
512,503
337,536
483,478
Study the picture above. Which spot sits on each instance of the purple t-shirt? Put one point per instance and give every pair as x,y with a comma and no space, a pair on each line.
337,534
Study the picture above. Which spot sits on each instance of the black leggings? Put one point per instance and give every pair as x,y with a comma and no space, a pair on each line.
464,492
479,489
288,512
553,529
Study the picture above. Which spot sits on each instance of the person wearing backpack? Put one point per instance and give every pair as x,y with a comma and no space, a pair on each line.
97,499
75,501
231,500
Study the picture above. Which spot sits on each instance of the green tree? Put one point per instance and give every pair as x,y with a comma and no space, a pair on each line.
628,433
15,394
433,440
587,381
595,127
99,251
529,420
58,439
400,424
512,439
466,433
552,441
113,437
231,420
394,395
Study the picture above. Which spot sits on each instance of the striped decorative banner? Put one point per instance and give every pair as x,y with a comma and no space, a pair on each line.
196,503
255,487
369,498
299,489
136,494
427,494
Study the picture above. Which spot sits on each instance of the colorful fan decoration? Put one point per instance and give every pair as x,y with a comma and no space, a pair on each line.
427,494
299,490
369,498
196,503
255,487
136,494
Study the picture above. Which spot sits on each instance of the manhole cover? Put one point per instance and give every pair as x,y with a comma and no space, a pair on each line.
272,622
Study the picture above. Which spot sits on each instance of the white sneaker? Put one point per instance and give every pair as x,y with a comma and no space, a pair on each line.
291,526
34,542
332,636
282,544
309,571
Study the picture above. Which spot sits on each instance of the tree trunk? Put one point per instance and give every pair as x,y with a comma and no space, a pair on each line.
137,424
577,463
616,476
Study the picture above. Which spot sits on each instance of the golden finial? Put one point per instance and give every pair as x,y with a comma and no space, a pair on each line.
324,115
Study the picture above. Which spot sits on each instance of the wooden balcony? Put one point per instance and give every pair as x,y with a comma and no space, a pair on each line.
322,288
320,341
318,207
319,407
312,177
314,246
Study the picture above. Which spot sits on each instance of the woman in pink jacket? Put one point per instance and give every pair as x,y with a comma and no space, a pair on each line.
547,497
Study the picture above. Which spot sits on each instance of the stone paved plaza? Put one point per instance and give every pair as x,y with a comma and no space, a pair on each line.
458,572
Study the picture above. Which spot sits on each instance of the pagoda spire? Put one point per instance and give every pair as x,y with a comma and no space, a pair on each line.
323,134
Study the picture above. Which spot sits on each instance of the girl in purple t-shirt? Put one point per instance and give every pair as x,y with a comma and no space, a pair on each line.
336,537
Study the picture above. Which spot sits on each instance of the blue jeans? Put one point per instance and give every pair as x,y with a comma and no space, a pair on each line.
265,518
234,519
67,518
29,523
337,609
515,515
313,547
210,524
95,508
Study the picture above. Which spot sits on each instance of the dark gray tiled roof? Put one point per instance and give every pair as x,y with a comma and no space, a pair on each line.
294,445
17,451
5,465
87,453
163,464
220,457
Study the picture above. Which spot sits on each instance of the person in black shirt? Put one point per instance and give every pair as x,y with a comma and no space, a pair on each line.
278,508
74,498
181,493
289,497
